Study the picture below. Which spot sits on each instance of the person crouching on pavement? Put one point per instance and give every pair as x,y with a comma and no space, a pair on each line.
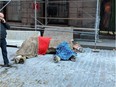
65,52
3,43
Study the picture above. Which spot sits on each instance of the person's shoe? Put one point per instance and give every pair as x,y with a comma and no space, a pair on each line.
56,59
73,58
6,65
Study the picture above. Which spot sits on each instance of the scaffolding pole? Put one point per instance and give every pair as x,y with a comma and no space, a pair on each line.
68,18
46,5
97,23
5,4
96,18
66,1
35,14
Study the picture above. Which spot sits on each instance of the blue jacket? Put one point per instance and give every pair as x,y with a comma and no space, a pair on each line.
3,27
64,51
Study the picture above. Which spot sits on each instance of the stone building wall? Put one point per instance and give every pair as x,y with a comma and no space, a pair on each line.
80,10
76,10
27,12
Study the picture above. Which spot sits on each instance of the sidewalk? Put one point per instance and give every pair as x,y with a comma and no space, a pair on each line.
91,69
104,41
101,44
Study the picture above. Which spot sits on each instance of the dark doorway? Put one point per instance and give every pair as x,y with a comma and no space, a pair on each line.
56,11
107,16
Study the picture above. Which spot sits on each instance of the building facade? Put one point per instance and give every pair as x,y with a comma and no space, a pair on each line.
77,13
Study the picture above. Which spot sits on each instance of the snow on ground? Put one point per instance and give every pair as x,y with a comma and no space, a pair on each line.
91,69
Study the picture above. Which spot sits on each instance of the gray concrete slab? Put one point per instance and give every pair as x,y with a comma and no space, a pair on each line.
101,44
91,69
58,35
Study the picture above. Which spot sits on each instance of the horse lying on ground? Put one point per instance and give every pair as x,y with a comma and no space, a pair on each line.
29,49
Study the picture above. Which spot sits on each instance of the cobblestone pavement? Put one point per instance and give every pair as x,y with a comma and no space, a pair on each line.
92,69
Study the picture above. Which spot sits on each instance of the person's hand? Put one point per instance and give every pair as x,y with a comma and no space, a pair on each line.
3,20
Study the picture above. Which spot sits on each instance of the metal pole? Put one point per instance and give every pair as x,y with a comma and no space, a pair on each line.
46,19
35,15
96,23
5,5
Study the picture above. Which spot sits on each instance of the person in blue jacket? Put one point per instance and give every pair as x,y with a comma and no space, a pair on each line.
3,43
64,52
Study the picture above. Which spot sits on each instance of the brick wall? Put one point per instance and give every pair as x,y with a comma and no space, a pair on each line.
77,9
27,12
81,10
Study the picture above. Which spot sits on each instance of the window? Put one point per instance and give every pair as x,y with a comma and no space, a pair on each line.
58,9
14,11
